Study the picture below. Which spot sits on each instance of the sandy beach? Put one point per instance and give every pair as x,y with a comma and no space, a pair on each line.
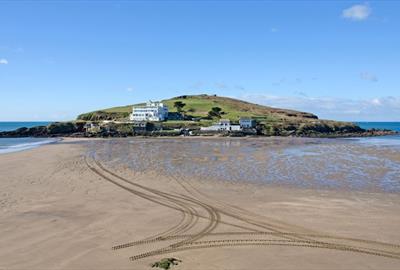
76,205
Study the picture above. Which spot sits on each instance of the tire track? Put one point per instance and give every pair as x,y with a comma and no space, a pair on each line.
243,218
328,245
187,212
213,215
388,245
239,210
294,244
294,236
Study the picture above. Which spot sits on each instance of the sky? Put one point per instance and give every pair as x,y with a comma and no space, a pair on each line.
337,59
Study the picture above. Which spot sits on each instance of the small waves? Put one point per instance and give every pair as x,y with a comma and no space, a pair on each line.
9,145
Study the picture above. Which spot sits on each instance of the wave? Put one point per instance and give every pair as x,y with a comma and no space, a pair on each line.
26,145
391,140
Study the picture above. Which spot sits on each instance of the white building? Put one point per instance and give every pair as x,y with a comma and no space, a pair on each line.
152,111
247,123
222,125
92,127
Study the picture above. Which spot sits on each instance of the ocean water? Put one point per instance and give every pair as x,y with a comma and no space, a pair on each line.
8,145
380,125
9,126
381,140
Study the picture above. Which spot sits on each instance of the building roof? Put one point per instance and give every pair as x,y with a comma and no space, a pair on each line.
150,104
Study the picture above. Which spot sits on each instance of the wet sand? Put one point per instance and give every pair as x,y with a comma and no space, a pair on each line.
123,204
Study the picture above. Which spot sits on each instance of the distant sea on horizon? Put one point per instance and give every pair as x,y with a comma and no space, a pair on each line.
8,145
380,125
391,140
8,126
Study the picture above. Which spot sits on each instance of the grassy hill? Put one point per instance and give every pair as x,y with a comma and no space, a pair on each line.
200,105
272,121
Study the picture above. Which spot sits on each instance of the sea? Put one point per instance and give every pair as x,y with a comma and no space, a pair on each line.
392,140
8,145
380,125
9,126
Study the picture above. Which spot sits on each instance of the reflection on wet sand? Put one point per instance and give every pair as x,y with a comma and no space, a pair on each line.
300,162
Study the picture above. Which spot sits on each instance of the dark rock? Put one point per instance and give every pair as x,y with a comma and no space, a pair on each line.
61,128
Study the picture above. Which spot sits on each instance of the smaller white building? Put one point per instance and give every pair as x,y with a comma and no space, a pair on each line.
152,111
92,127
247,123
222,125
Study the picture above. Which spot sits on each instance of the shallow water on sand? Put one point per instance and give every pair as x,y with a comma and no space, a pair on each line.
301,162
8,145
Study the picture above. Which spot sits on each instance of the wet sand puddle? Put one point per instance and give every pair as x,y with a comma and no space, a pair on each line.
310,163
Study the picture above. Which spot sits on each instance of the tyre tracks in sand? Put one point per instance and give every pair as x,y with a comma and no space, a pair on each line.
187,207
200,215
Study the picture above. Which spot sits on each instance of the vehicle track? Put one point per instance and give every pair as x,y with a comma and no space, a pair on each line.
294,244
332,246
300,237
189,215
187,205
387,245
241,211
257,223
213,217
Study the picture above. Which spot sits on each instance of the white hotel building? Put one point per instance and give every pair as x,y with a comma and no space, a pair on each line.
152,111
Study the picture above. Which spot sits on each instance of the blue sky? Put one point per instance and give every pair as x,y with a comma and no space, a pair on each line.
340,60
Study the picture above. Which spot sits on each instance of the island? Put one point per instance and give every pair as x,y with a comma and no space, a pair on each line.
197,115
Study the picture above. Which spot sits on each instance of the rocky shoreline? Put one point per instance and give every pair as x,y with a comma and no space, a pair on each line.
77,129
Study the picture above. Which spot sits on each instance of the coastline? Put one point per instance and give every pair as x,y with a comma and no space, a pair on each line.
72,216
83,129
24,143
374,133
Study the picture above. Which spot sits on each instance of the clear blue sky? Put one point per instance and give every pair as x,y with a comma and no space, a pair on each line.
340,60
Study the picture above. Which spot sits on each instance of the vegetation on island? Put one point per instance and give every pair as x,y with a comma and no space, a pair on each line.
199,106
191,112
178,105
215,112
203,110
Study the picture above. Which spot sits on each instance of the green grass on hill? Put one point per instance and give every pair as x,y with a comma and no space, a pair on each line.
200,105
122,109
271,121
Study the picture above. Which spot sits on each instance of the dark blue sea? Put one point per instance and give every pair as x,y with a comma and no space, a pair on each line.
380,125
8,145
8,126
381,140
